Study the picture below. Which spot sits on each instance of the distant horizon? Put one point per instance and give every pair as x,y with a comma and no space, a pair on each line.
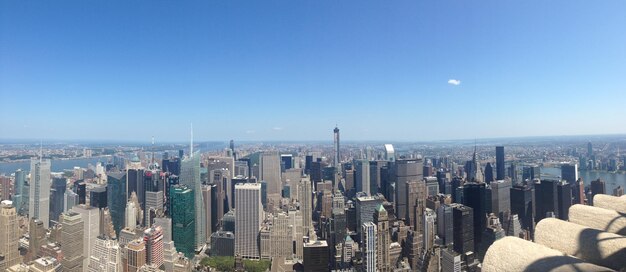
200,141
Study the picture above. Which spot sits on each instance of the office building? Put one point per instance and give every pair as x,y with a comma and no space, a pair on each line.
316,256
39,195
390,154
57,192
492,233
362,176
383,239
501,197
223,243
72,236
190,176
488,173
429,230
269,171
445,224
9,238
183,219
135,255
20,199
523,204
598,186
416,202
405,170
281,236
305,197
208,205
365,209
286,162
45,264
546,197
368,240
91,228
463,229
117,198
248,220
106,256
153,239
474,196
450,261
531,173
500,163
564,199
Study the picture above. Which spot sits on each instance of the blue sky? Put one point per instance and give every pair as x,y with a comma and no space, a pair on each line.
291,70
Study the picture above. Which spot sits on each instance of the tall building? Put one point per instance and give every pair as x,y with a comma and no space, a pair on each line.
444,223
135,255
546,197
463,230
383,239
9,238
183,219
416,202
305,196
248,219
316,256
429,229
20,199
492,233
39,196
474,196
450,261
390,154
56,198
37,238
368,239
564,199
366,207
589,149
281,236
116,198
362,176
501,197
337,159
153,238
500,163
523,204
91,228
69,200
405,170
190,176
270,173
72,236
206,197
569,172
106,256
488,173
598,186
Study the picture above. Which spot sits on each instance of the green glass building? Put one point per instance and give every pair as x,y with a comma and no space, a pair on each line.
116,198
183,219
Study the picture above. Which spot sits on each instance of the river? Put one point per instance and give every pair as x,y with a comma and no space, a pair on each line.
7,168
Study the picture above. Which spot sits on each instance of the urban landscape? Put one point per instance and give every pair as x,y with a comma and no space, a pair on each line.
291,207
308,136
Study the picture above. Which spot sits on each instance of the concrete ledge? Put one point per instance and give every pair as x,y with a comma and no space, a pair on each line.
515,254
598,218
591,245
609,202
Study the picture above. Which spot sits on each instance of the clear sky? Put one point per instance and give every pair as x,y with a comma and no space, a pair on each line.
291,70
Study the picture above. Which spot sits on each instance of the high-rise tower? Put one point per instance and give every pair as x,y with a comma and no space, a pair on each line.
190,176
9,238
248,219
337,158
39,197
500,162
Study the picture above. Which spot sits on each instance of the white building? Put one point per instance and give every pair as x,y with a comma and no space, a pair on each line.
248,219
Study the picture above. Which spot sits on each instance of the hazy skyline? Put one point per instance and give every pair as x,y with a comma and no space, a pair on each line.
291,70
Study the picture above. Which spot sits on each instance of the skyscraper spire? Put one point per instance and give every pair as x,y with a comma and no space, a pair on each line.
191,143
40,151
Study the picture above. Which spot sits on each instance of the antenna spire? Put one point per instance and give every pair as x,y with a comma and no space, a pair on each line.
40,151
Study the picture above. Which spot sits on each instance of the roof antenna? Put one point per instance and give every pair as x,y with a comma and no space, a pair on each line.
40,151
191,143
152,150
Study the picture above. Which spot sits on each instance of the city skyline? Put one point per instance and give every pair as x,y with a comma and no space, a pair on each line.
411,71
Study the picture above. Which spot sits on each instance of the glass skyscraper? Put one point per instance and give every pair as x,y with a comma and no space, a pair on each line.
183,219
116,198
190,176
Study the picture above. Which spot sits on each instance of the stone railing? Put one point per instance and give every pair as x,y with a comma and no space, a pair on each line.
593,240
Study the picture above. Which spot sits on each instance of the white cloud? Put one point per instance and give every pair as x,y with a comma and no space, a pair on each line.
454,82
250,131
277,128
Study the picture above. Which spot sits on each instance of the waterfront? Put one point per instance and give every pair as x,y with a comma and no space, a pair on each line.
612,179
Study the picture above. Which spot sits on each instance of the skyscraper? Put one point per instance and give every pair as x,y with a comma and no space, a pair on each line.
39,196
206,197
416,202
106,256
337,160
368,239
564,199
488,173
500,163
501,197
474,196
546,197
248,219
91,228
190,176
183,219
305,197
589,149
72,241
153,238
270,173
383,239
9,238
56,198
315,256
362,176
463,230
135,255
405,170
365,209
598,186
523,204
20,200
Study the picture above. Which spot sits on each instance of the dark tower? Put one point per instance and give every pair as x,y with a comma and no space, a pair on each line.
500,162
488,173
474,196
546,197
564,195
463,229
523,204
